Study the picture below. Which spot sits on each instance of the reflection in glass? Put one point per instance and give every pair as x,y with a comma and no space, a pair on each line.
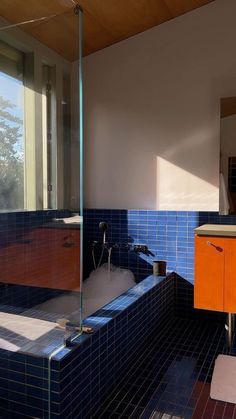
11,128
40,167
41,174
228,156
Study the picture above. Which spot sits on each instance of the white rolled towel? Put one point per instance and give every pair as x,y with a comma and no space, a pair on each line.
75,219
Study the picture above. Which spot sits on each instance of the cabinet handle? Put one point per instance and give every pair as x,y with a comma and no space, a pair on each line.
216,247
68,244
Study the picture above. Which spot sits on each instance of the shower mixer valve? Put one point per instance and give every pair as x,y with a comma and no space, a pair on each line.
137,248
108,247
142,248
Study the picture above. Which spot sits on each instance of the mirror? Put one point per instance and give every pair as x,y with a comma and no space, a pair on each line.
228,156
39,137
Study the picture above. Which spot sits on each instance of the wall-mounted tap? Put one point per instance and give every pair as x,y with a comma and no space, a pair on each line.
142,248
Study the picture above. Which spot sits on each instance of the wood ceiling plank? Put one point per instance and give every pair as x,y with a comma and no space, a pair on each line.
123,18
105,26
105,21
96,37
58,33
22,10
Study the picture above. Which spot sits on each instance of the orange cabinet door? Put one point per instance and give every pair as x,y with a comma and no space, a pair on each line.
209,273
230,276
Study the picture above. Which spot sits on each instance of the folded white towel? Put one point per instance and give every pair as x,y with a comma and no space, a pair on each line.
224,201
223,384
76,219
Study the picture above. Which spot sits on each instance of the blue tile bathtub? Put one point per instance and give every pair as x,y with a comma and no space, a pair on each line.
76,379
83,375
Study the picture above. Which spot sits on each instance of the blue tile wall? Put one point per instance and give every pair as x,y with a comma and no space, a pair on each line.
81,377
168,234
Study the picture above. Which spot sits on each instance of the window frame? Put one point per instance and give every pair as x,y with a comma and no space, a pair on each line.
36,57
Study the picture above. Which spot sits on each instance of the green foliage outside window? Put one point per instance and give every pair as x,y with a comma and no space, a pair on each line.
11,158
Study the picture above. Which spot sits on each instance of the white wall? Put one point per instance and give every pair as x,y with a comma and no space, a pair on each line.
152,123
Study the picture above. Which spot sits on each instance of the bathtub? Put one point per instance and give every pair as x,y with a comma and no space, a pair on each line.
77,378
102,286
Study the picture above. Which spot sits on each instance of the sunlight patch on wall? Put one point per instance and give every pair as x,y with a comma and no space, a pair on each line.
177,190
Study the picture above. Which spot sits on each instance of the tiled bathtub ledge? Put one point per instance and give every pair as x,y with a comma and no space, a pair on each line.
81,376
113,310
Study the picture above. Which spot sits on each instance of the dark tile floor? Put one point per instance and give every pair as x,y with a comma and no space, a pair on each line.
173,376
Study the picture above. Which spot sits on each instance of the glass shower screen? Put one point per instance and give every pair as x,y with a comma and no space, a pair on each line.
41,175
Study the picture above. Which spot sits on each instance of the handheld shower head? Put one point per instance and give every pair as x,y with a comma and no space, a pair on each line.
103,226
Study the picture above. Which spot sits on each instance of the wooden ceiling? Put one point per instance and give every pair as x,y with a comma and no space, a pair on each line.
105,21
227,106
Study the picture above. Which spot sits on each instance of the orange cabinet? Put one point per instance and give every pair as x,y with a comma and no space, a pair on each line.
230,276
215,273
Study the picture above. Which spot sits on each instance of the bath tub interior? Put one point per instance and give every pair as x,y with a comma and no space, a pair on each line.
102,286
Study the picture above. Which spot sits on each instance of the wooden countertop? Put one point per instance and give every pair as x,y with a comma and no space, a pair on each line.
216,230
62,226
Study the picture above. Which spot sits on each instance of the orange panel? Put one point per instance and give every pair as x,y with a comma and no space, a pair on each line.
44,257
230,276
209,272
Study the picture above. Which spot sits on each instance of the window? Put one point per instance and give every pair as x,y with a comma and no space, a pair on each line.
49,145
11,128
35,131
